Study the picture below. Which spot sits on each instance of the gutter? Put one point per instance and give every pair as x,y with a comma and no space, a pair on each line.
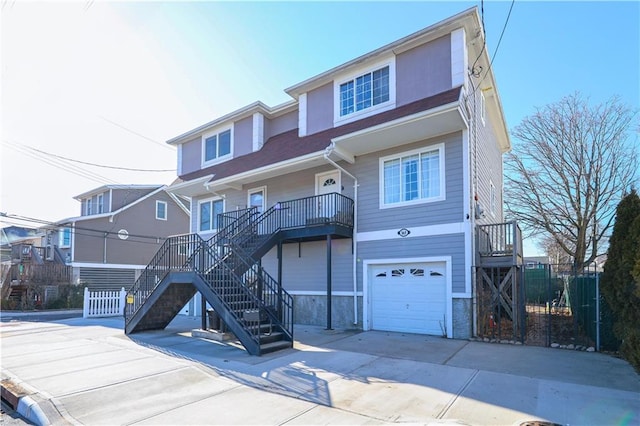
327,153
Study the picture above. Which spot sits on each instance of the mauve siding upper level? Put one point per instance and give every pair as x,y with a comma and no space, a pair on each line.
243,137
320,109
423,71
191,155
280,124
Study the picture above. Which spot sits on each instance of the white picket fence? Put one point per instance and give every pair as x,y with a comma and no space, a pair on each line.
104,303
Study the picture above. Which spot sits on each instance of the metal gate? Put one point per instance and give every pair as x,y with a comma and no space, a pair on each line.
557,306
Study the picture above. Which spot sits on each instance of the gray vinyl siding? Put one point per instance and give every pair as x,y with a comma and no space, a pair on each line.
122,197
243,137
192,155
304,266
486,163
423,71
280,124
138,220
400,248
372,218
320,109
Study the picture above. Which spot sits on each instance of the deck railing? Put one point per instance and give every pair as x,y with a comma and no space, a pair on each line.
499,239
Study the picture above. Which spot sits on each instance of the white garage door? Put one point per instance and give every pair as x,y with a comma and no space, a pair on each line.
409,297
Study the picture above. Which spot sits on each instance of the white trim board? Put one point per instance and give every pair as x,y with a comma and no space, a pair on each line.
417,231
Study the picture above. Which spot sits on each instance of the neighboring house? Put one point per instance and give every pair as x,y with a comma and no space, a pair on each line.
29,276
536,262
119,229
361,198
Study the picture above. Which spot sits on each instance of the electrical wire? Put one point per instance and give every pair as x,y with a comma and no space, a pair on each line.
98,165
164,145
61,165
495,53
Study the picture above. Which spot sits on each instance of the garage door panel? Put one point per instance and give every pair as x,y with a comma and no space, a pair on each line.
409,298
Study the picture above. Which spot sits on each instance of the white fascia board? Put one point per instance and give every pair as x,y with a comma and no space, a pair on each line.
190,184
175,200
468,18
231,181
238,114
104,188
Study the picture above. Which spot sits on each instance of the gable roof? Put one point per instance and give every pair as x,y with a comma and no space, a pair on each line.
123,208
288,145
104,188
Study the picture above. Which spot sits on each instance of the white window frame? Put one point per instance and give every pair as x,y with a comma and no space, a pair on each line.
374,109
158,203
262,189
88,207
441,153
198,222
61,233
216,132
100,206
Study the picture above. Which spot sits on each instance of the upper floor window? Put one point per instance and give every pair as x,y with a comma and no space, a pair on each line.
208,212
216,146
89,208
100,204
364,92
161,210
412,177
64,238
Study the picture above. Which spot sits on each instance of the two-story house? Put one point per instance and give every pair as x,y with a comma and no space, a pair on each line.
359,199
118,231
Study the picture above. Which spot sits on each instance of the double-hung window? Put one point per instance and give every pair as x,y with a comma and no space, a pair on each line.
364,91
100,204
89,206
64,238
412,177
208,212
161,210
217,146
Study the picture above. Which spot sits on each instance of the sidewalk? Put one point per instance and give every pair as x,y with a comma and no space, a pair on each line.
86,371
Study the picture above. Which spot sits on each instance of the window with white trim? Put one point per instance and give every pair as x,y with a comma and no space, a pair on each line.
88,208
216,146
64,238
412,177
364,91
257,198
208,211
161,210
100,204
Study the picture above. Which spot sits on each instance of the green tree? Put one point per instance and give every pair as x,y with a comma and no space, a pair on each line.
620,281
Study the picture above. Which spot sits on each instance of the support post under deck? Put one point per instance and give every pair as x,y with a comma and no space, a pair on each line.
329,282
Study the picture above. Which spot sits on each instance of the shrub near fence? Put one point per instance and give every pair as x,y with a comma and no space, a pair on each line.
103,303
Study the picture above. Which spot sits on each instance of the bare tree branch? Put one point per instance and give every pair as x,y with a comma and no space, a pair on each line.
570,165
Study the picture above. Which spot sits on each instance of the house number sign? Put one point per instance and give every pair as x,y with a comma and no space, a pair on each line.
404,232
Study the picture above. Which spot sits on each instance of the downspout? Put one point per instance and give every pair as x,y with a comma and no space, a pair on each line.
327,154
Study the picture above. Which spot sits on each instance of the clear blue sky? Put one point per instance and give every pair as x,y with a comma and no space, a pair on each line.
109,82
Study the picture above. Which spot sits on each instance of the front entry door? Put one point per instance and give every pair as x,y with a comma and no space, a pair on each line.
327,183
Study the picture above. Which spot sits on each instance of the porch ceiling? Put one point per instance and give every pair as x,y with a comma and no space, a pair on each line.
413,128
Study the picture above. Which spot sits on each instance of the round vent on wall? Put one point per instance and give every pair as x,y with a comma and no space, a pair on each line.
123,234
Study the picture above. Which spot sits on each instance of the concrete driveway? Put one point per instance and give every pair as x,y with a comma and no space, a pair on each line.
86,371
